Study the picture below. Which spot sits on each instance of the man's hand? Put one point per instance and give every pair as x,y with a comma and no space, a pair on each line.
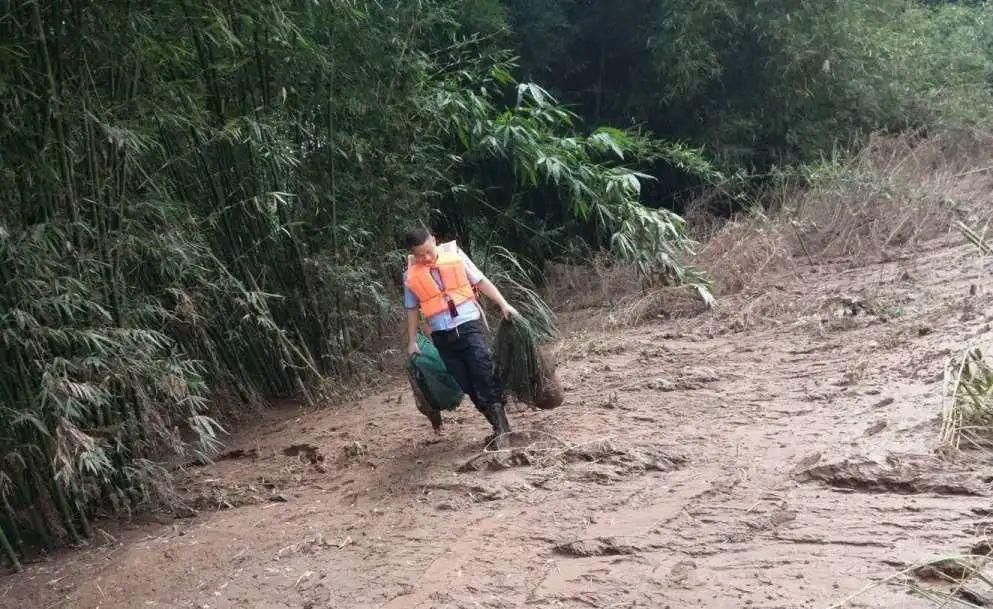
413,319
494,294
509,311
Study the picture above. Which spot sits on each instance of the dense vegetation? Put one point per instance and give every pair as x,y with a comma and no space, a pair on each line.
200,201
760,83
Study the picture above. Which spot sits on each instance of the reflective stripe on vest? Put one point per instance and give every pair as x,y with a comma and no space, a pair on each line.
432,299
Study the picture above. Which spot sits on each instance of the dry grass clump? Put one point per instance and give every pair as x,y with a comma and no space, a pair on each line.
655,303
601,282
968,412
616,288
744,249
897,193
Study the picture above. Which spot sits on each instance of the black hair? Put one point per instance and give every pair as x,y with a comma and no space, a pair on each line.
416,236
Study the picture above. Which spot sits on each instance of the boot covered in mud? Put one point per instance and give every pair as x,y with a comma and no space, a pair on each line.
496,414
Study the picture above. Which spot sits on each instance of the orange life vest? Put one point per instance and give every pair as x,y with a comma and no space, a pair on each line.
457,289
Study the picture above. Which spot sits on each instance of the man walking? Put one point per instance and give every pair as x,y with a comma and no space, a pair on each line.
441,283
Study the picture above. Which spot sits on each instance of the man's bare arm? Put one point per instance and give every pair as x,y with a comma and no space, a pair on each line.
491,292
413,320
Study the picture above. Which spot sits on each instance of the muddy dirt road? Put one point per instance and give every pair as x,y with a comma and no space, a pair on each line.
747,457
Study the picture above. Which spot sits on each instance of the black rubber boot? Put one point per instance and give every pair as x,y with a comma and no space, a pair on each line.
496,414
499,419
488,413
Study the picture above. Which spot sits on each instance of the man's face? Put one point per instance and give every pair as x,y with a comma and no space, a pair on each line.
426,253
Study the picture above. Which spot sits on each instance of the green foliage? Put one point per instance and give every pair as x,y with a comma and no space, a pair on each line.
532,148
199,205
513,277
762,83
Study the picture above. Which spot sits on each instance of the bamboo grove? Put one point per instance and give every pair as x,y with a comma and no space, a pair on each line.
199,206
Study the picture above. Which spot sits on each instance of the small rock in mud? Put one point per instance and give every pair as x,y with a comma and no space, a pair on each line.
681,572
982,548
611,401
780,517
307,452
661,384
883,402
875,428
947,570
603,462
238,453
355,449
599,546
702,375
808,461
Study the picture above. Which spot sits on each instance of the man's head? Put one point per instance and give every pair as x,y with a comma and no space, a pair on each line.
422,245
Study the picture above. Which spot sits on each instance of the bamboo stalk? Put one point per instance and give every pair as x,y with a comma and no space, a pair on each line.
63,508
84,521
43,497
56,112
31,496
15,563
14,528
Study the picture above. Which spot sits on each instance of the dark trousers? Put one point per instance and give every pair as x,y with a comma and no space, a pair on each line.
466,354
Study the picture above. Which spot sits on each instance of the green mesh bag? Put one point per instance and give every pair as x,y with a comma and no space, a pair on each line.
430,379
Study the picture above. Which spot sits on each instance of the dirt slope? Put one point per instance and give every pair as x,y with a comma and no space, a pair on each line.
786,464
